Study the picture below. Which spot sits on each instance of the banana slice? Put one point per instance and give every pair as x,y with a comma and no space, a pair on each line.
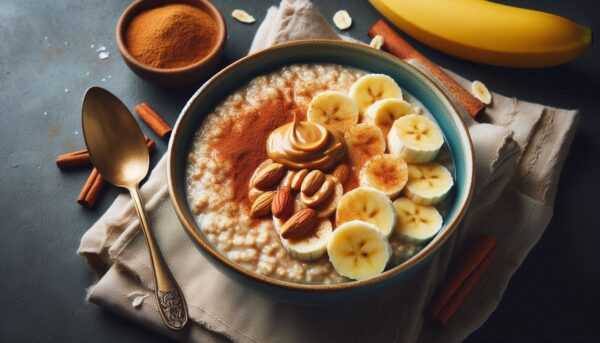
358,250
428,184
369,205
309,248
387,173
372,87
364,141
417,223
415,138
384,112
334,110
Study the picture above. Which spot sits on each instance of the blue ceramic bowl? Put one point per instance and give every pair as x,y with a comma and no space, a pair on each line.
322,51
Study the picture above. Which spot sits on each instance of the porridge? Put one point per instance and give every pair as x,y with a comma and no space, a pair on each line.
319,173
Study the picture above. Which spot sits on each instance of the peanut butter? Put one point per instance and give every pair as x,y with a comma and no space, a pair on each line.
303,144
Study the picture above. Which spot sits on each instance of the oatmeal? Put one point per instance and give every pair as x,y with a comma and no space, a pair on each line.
270,169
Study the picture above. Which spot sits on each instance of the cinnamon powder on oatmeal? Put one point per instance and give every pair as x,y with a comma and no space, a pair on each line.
243,143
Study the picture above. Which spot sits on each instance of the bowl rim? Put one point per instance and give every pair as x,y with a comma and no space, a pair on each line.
431,247
131,10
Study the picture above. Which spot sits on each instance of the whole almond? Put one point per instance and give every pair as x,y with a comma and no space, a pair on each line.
283,203
269,176
300,225
261,166
341,173
296,182
262,205
312,182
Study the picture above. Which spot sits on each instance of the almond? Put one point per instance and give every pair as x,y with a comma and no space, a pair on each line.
262,205
341,173
283,203
269,176
296,182
300,225
261,166
312,182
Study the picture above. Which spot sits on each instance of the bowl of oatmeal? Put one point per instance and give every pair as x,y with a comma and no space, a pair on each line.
319,168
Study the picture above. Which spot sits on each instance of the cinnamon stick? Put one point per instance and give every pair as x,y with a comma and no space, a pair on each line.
397,46
461,294
92,187
81,158
153,119
463,280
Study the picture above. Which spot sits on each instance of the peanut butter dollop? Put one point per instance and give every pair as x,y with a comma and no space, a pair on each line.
303,144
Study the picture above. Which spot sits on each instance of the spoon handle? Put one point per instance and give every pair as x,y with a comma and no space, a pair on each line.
173,309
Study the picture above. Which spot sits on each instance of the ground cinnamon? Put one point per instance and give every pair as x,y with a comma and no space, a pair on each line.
171,36
244,145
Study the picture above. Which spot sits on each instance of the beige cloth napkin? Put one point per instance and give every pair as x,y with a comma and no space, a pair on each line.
520,150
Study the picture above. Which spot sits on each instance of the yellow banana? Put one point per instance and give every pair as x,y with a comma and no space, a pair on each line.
488,32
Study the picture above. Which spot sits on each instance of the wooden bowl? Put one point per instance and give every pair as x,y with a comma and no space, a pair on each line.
172,77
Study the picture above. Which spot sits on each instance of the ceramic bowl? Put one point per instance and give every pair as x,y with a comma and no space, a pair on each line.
322,51
173,77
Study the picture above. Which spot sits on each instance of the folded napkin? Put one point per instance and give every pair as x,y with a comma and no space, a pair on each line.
520,148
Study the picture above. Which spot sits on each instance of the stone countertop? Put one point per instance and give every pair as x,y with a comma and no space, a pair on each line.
48,57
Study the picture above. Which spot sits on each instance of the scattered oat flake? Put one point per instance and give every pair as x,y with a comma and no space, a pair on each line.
103,79
109,77
377,42
243,16
45,37
137,298
45,113
66,43
76,132
101,48
103,55
87,73
66,90
92,46
342,20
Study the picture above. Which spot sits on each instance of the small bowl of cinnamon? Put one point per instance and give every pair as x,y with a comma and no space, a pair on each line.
173,44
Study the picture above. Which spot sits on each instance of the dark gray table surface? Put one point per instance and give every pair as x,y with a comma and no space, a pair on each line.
46,63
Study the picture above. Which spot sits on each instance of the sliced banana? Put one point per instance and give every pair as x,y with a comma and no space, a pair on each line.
428,184
416,223
358,250
369,205
415,138
372,87
309,248
334,110
387,173
364,141
481,92
384,112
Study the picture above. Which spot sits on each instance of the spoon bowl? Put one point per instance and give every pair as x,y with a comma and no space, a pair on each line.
118,150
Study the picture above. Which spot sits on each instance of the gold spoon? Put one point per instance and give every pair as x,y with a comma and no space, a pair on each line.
118,150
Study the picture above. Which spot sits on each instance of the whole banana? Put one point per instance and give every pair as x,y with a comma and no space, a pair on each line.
489,32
